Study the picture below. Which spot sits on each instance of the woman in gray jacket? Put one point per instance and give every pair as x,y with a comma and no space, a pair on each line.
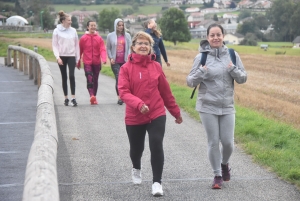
118,48
215,101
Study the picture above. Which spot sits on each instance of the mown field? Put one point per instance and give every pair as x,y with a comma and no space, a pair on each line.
268,104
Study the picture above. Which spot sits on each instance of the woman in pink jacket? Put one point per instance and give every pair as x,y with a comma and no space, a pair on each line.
146,92
92,47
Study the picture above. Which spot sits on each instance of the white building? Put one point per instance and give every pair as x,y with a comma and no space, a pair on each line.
16,20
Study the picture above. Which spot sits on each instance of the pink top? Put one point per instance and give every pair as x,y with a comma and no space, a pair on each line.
120,49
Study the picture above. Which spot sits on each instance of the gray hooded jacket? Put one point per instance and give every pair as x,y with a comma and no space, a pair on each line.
216,90
111,43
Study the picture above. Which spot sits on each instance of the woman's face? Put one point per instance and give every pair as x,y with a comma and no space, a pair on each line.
67,22
152,24
142,46
92,27
215,37
120,26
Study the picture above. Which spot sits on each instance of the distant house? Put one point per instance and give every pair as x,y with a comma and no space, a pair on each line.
234,39
199,32
81,15
195,18
130,18
230,28
192,10
296,42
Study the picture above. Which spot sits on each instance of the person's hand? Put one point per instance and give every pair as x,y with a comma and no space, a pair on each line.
144,109
78,65
112,61
60,62
230,64
104,62
168,64
178,120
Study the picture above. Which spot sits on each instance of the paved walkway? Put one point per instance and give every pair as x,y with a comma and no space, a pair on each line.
18,98
93,158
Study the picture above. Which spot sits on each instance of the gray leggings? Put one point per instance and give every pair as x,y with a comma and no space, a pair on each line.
219,128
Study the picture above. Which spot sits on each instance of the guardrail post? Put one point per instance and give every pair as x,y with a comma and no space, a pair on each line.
30,71
8,58
21,61
15,60
39,75
26,57
35,67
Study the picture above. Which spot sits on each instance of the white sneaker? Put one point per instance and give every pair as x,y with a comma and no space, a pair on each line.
157,189
136,176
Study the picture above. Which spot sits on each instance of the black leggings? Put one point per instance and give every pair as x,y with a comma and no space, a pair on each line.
136,135
116,69
70,61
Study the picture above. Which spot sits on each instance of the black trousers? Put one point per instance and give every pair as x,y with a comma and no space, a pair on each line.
136,135
116,69
70,61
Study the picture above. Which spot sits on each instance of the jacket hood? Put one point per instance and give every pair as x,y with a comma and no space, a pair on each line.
116,22
61,27
141,59
88,33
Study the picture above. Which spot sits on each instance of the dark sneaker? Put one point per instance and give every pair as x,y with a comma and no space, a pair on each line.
73,102
225,172
66,103
120,102
218,182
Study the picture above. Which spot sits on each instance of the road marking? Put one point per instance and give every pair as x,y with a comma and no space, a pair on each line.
17,123
9,152
10,185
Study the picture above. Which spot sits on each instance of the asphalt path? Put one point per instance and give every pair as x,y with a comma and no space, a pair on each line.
93,154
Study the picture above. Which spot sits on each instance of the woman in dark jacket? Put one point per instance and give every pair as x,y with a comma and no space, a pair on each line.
158,46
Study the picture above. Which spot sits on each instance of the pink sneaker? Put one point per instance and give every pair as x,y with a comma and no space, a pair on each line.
92,100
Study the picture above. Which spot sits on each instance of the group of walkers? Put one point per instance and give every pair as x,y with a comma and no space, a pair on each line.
143,87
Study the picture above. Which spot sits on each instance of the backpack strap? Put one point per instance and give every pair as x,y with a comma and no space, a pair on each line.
202,62
232,55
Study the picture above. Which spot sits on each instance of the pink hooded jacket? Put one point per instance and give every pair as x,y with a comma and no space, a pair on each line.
92,47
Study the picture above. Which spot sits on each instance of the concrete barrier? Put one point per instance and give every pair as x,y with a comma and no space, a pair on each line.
41,171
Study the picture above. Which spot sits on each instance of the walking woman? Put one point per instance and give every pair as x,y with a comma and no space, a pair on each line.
215,101
65,47
146,92
118,48
92,47
158,46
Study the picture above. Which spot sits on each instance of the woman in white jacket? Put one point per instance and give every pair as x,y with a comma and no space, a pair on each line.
215,101
65,47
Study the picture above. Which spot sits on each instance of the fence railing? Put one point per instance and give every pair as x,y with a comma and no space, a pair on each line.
41,171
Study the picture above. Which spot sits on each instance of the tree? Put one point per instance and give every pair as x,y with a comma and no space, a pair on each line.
284,16
48,19
250,39
74,22
244,14
215,18
247,27
174,26
107,19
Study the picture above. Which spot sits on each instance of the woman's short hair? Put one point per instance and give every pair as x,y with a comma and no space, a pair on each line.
62,16
142,35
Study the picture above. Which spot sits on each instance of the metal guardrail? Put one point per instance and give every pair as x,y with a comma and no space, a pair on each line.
41,171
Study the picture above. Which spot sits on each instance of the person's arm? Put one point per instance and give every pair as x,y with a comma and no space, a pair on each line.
197,73
168,98
238,72
125,91
108,46
102,51
55,46
77,50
